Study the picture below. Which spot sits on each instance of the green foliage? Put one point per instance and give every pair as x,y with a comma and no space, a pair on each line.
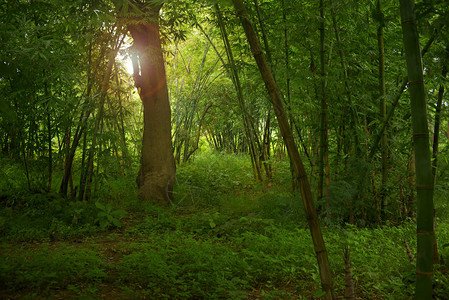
108,216
184,267
349,192
376,252
212,254
44,268
283,206
38,216
210,176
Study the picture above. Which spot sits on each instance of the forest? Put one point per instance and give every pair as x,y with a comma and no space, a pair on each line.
224,149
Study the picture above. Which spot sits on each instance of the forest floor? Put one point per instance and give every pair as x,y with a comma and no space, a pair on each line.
226,238
207,255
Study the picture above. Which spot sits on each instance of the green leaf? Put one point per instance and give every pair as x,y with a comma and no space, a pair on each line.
319,293
212,224
104,223
117,223
101,214
100,206
119,213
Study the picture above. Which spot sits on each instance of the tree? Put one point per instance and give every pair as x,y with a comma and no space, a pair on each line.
423,168
157,172
383,109
287,134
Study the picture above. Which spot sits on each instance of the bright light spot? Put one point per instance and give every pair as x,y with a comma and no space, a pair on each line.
124,58
129,65
126,62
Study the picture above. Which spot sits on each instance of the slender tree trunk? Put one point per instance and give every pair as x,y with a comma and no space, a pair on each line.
286,52
395,102
121,127
384,125
120,36
436,127
157,173
383,113
287,84
237,85
306,193
198,135
267,146
436,130
323,155
82,184
82,125
50,151
424,178
349,106
97,171
49,135
287,62
90,160
349,283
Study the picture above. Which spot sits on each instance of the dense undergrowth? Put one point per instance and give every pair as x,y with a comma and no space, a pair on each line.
226,236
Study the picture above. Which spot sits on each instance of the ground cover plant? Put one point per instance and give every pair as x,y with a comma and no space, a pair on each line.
207,249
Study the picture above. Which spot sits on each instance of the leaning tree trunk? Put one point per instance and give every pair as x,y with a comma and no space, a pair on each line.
157,172
306,193
236,80
423,168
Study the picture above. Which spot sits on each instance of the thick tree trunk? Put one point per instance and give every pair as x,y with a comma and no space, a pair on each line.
423,168
157,172
306,193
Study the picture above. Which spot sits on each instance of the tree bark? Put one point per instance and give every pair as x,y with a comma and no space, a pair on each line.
423,168
306,193
157,172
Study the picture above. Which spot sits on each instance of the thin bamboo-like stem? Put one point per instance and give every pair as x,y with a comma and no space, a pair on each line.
383,112
322,159
121,34
287,134
237,85
423,168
